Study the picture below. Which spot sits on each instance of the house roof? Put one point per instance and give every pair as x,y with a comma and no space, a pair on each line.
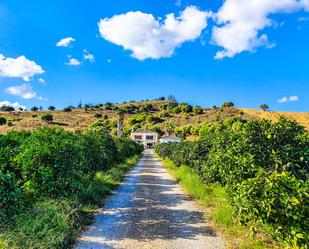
144,131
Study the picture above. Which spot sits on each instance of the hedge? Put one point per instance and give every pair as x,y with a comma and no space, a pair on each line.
264,167
54,163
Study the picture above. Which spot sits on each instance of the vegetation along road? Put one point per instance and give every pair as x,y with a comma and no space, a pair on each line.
149,210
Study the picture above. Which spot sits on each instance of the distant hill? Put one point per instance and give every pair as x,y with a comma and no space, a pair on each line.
139,115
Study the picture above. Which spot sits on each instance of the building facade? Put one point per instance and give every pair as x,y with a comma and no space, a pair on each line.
147,138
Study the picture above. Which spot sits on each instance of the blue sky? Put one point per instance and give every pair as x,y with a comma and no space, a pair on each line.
264,55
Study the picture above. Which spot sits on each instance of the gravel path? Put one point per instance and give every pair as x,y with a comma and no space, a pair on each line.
149,210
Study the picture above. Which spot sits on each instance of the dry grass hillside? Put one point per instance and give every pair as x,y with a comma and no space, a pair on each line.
79,119
300,117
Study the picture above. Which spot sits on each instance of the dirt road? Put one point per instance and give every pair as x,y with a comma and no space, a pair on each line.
149,210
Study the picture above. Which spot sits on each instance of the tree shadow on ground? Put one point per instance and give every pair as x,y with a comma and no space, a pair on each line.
147,207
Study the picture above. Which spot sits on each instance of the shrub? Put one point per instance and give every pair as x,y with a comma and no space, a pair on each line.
100,151
98,115
263,165
9,195
2,121
197,110
47,118
34,109
51,160
227,104
51,108
278,201
264,107
5,108
67,109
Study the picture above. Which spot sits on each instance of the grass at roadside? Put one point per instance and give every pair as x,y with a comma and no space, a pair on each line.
220,212
55,223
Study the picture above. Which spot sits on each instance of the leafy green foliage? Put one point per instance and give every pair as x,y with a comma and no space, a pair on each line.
6,108
2,121
34,109
47,118
227,104
51,108
54,163
264,167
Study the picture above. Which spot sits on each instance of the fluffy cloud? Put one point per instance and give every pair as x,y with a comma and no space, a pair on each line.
65,42
24,91
241,21
293,98
42,81
287,99
73,62
19,67
148,37
15,105
88,57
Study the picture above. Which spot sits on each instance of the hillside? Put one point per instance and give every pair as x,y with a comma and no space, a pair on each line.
138,115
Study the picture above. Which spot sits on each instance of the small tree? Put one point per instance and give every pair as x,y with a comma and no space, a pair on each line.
264,107
34,109
227,104
98,115
2,121
67,109
6,108
197,110
51,108
80,105
48,118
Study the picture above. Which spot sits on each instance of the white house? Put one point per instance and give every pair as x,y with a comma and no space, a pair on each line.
170,139
147,138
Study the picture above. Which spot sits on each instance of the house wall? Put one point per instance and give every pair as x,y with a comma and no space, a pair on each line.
144,139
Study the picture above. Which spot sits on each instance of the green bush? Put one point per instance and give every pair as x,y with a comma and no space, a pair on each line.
47,118
9,195
279,201
2,121
264,167
99,149
50,161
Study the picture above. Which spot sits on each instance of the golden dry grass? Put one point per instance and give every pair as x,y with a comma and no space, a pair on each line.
300,117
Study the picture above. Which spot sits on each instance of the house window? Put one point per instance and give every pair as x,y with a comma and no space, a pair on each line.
137,137
149,137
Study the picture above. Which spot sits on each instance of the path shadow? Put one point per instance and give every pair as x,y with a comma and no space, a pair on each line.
148,206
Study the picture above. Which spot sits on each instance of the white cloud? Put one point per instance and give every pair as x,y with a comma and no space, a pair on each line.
42,81
283,100
148,37
15,105
19,67
24,91
287,99
242,20
88,56
65,42
41,98
293,98
73,62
